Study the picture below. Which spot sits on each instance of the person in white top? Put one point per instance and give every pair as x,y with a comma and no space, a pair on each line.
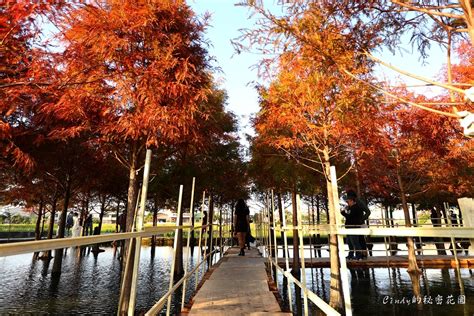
76,227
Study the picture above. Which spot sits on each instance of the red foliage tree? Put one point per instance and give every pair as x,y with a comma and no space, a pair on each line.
25,72
132,76
140,69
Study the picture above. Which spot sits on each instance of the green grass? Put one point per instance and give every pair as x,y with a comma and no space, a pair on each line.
107,228
424,218
110,228
24,228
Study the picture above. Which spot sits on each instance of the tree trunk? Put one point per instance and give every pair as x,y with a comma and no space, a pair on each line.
413,269
392,241
117,216
38,226
318,221
326,205
460,221
232,223
132,190
51,218
335,295
296,269
273,248
357,180
220,230
364,240
38,221
419,242
84,212
281,213
42,224
62,217
272,232
318,211
179,266
102,211
155,222
129,248
58,253
47,254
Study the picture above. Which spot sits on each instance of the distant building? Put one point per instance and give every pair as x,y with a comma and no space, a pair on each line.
9,209
167,216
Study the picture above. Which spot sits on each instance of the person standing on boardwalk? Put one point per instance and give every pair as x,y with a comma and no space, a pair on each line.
122,221
88,225
355,215
69,222
76,228
241,223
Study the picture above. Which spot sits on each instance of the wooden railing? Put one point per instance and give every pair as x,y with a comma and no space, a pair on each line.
268,227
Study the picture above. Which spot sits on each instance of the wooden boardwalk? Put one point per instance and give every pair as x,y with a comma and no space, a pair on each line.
393,261
237,286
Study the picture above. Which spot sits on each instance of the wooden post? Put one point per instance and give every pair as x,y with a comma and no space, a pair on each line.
340,240
271,226
275,252
453,244
175,244
139,227
124,298
188,250
220,231
206,235
268,230
191,210
385,240
200,239
301,249
287,261
295,270
281,214
210,241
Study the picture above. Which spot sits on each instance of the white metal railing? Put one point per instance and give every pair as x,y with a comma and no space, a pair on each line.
268,226
17,248
59,243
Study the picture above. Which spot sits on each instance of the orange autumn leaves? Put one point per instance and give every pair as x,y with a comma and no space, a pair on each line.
142,62
122,72
306,111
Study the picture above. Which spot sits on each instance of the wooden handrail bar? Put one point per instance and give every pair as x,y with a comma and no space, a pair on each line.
17,248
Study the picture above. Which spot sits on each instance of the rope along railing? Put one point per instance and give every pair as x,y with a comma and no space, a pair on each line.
267,227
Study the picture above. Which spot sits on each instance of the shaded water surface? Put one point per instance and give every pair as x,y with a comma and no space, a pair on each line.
91,285
87,285
388,291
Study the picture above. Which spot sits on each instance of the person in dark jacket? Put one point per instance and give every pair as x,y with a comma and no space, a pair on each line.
88,225
355,215
69,222
241,223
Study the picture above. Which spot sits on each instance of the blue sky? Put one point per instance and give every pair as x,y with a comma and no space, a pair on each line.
227,19
236,76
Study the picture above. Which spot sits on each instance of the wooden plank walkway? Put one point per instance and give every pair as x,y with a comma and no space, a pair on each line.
238,286
393,261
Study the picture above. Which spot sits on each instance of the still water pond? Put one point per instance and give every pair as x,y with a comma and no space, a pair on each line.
88,285
388,291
